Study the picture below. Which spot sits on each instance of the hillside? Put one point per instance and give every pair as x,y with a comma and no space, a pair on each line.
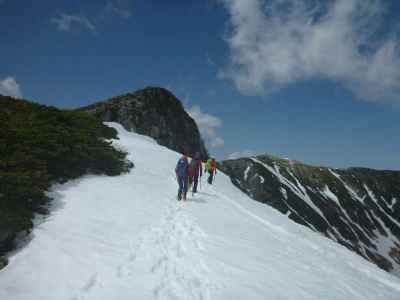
358,208
40,146
127,237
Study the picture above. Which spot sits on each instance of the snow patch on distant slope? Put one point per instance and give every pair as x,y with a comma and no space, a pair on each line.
393,202
348,188
383,243
289,184
246,172
284,193
327,192
262,179
372,196
301,192
348,220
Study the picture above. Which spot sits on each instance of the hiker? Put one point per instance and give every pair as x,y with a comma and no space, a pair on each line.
182,174
211,167
195,170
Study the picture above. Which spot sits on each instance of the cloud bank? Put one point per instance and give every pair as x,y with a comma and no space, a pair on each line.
208,126
278,42
10,87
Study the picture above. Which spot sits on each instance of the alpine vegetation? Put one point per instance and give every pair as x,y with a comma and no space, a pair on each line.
41,146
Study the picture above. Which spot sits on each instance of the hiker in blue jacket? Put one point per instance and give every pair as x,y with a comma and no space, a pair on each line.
182,175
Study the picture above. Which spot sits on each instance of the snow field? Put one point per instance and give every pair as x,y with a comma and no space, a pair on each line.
127,237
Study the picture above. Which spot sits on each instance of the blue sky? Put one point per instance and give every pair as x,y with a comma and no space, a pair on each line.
314,83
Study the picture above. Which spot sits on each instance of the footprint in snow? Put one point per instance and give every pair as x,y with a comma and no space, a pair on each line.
86,288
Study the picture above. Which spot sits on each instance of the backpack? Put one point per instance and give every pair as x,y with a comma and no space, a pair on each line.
211,165
193,167
182,167
193,164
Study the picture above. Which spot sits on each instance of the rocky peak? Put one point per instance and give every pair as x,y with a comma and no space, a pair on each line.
155,112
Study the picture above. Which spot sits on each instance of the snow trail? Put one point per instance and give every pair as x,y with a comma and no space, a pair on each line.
127,237
178,263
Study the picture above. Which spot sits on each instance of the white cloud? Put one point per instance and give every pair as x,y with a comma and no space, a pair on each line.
277,42
10,87
217,142
120,8
65,22
208,125
239,154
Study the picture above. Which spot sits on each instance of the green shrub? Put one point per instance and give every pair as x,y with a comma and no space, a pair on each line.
41,145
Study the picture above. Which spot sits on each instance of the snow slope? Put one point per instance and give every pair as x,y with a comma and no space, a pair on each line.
127,237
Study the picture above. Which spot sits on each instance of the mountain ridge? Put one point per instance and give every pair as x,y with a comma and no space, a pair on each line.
310,164
357,207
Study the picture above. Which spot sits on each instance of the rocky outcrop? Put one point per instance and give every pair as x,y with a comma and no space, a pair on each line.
3,262
6,244
154,112
358,208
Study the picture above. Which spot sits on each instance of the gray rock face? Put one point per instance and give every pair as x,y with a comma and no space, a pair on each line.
155,112
3,262
358,208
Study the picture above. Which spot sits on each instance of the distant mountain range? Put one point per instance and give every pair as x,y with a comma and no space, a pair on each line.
356,207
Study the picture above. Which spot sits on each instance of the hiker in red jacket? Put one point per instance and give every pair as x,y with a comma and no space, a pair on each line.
195,170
